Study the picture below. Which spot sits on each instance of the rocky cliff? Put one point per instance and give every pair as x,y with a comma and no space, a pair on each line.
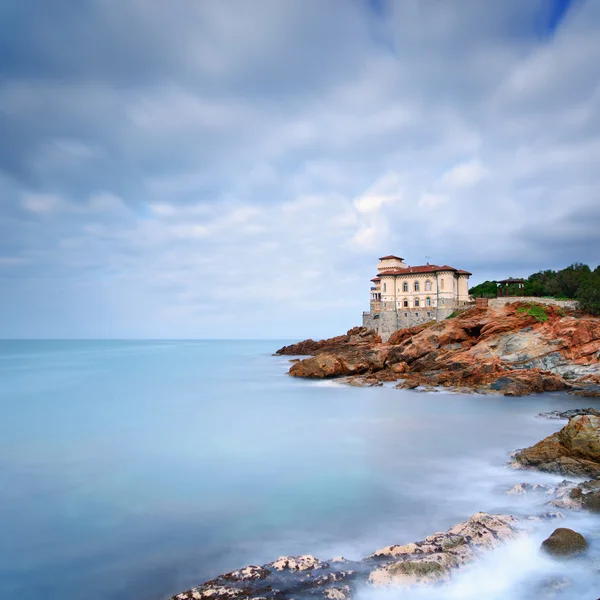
515,350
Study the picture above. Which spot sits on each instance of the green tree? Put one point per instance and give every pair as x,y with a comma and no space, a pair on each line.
589,293
487,289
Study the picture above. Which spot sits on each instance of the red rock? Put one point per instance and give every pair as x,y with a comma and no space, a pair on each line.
357,336
502,351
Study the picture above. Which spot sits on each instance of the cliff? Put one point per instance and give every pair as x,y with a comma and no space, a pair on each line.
514,350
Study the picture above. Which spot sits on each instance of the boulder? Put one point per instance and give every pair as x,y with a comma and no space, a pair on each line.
582,437
341,362
564,543
574,450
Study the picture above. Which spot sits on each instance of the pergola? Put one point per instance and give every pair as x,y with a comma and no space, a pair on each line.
511,287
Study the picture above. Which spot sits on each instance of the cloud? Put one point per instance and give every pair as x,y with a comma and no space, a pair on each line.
41,203
184,174
464,175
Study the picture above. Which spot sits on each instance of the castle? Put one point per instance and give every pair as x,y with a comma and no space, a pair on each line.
403,296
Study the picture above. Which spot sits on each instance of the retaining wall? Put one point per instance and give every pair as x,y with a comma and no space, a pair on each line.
499,302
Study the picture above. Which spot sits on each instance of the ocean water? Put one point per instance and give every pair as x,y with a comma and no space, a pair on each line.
134,470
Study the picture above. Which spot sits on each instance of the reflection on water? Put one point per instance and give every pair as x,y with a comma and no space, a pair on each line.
137,469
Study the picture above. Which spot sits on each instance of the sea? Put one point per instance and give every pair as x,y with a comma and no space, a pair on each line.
134,470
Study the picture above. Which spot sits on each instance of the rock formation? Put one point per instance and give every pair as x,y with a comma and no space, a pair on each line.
574,450
504,351
430,561
357,336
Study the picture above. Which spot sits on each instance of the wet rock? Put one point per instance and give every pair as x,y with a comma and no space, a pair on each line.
297,563
410,383
569,414
564,543
434,559
587,391
538,489
591,501
358,381
552,588
294,577
547,516
340,362
287,577
574,450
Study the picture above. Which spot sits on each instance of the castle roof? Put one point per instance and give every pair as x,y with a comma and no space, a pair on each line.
423,269
376,279
389,256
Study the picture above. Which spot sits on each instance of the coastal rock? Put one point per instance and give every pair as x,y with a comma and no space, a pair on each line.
357,336
341,362
574,450
297,563
587,391
538,489
569,414
434,559
403,334
564,543
494,351
293,577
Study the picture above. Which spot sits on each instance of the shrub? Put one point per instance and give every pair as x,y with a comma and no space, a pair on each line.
537,311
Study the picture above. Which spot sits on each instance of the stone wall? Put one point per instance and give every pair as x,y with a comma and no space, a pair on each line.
499,302
386,322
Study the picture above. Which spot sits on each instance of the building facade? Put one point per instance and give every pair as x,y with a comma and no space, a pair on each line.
404,296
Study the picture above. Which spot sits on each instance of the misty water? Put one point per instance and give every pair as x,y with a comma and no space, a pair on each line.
138,469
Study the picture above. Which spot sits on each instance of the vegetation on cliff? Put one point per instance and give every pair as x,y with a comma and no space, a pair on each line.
577,281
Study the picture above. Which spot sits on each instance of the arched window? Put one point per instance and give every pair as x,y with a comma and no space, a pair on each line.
405,303
416,286
385,287
428,301
428,286
416,302
405,287
441,284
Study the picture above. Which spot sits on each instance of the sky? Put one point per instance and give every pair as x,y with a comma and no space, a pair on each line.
234,169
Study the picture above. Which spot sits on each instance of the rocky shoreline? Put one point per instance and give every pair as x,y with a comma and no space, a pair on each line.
574,450
509,351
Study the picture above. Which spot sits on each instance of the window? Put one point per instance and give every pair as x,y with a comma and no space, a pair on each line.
406,314
416,286
428,301
405,303
405,287
428,286
416,314
441,284
385,287
428,314
442,301
416,302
